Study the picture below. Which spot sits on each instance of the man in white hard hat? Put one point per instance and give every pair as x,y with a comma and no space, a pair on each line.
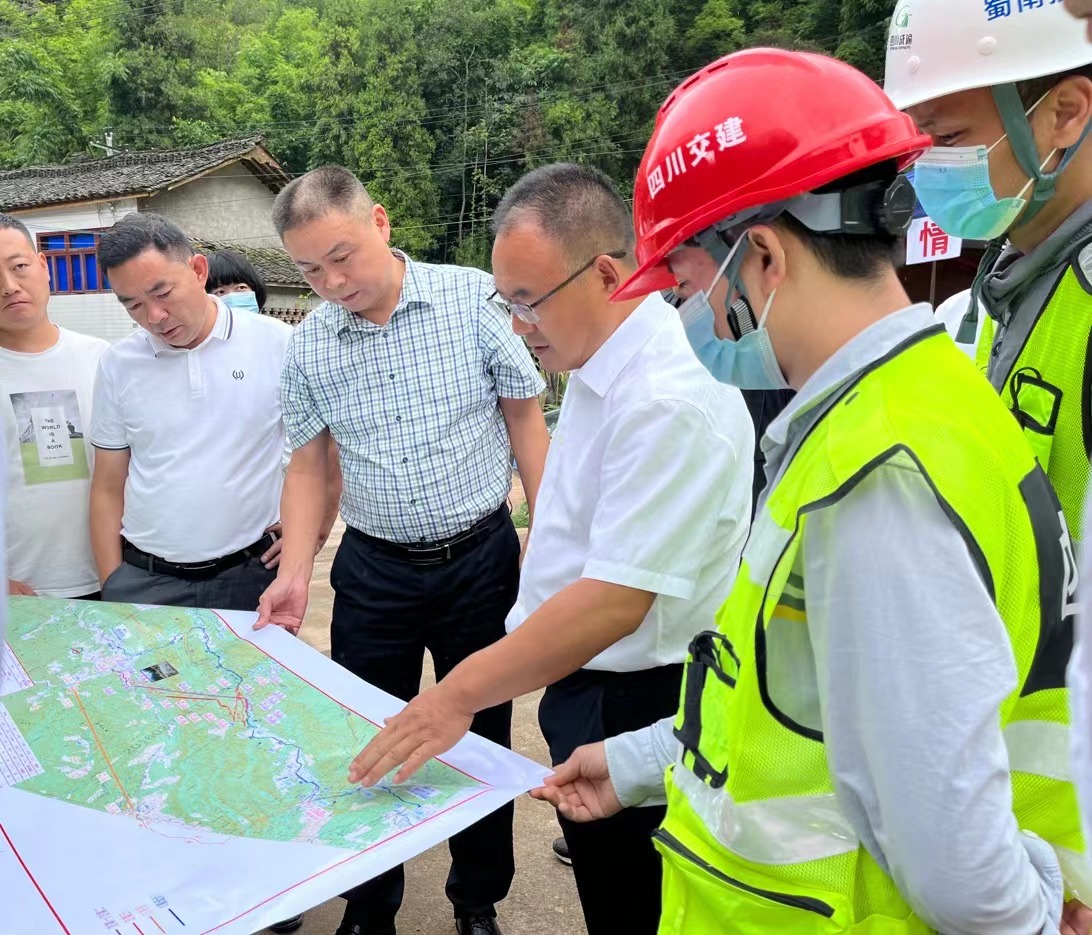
1004,87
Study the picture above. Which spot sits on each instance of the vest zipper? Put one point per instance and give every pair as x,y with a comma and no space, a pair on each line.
807,903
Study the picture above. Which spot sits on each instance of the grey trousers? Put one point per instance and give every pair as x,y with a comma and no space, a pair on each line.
237,588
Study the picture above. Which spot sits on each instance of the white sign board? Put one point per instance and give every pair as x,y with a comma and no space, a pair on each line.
927,243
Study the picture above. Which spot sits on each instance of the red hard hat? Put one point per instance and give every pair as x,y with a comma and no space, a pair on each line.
755,128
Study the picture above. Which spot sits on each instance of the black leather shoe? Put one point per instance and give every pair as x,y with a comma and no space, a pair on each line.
561,851
288,925
355,928
477,925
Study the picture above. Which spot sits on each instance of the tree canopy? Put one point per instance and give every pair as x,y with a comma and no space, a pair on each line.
438,105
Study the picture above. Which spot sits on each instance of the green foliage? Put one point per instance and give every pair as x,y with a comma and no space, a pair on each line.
438,105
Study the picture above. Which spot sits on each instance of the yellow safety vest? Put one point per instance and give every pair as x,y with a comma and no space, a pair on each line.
755,839
1049,388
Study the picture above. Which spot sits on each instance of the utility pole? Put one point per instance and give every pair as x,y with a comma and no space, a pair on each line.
108,140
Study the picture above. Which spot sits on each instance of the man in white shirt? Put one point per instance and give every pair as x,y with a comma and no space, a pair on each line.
46,378
641,518
188,432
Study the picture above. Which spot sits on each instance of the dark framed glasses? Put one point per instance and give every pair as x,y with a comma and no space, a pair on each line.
526,311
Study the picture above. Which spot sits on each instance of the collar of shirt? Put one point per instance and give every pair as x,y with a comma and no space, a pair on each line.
415,293
603,367
221,331
870,345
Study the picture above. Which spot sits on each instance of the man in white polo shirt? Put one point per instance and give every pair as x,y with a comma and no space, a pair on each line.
187,430
46,379
642,515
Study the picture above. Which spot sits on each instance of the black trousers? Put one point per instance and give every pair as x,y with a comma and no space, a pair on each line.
617,868
387,612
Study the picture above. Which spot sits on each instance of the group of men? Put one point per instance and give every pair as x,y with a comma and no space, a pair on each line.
875,736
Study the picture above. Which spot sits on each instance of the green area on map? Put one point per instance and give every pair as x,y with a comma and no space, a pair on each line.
164,714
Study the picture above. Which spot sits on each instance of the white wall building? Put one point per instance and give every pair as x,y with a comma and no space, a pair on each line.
221,195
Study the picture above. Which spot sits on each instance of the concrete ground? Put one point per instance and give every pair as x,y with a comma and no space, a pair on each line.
543,898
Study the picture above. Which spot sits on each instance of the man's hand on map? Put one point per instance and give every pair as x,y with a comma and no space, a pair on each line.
18,589
428,726
271,558
581,787
284,603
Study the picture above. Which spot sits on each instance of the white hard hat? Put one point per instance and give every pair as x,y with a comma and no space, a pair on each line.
939,47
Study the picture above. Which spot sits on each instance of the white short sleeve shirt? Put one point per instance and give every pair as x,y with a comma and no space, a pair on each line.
647,485
45,409
204,432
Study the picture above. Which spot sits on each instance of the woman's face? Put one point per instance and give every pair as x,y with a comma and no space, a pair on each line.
232,287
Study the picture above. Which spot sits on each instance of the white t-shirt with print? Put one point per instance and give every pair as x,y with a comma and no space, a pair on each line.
45,406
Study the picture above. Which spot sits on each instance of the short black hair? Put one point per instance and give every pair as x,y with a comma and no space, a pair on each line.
1032,90
851,256
226,267
576,206
308,198
140,231
8,222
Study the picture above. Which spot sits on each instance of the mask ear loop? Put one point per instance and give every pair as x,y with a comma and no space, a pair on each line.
1018,129
766,310
723,266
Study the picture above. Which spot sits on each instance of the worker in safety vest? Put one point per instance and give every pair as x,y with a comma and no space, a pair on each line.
874,737
1004,88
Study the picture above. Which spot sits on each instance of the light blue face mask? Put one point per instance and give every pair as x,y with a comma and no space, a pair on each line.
749,362
241,301
953,186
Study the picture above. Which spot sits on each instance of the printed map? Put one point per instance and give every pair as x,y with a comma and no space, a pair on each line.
166,715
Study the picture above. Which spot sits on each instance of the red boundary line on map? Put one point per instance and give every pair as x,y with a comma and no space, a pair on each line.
334,700
26,870
18,661
344,861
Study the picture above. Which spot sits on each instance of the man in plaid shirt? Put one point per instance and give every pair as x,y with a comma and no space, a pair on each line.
424,388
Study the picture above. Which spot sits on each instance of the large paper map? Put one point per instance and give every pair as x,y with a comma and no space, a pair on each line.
184,731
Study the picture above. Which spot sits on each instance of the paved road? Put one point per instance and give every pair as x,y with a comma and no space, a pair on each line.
543,900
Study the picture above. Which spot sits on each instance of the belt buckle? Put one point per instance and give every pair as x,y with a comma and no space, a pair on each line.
431,555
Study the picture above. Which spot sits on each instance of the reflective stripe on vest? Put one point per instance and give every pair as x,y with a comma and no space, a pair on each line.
754,831
1049,388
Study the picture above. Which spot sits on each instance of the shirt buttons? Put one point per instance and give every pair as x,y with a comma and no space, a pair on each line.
391,375
405,460
397,418
413,502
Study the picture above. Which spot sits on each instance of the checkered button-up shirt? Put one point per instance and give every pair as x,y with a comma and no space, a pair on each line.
412,405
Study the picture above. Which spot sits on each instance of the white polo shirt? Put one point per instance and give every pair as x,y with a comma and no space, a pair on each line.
204,432
647,485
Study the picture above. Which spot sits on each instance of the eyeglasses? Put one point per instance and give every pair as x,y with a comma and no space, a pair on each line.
526,311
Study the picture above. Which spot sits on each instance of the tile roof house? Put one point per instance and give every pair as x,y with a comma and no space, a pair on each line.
221,195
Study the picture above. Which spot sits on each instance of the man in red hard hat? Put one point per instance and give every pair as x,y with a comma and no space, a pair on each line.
873,738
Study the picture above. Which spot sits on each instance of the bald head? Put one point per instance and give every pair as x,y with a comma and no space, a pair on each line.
577,207
316,194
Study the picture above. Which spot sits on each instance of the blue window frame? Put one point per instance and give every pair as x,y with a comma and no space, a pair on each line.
73,266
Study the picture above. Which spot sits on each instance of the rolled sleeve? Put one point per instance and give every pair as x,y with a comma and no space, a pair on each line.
107,426
638,760
507,358
662,472
302,421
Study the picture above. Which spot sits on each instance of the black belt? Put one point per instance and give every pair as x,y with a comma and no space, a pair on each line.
193,571
443,550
